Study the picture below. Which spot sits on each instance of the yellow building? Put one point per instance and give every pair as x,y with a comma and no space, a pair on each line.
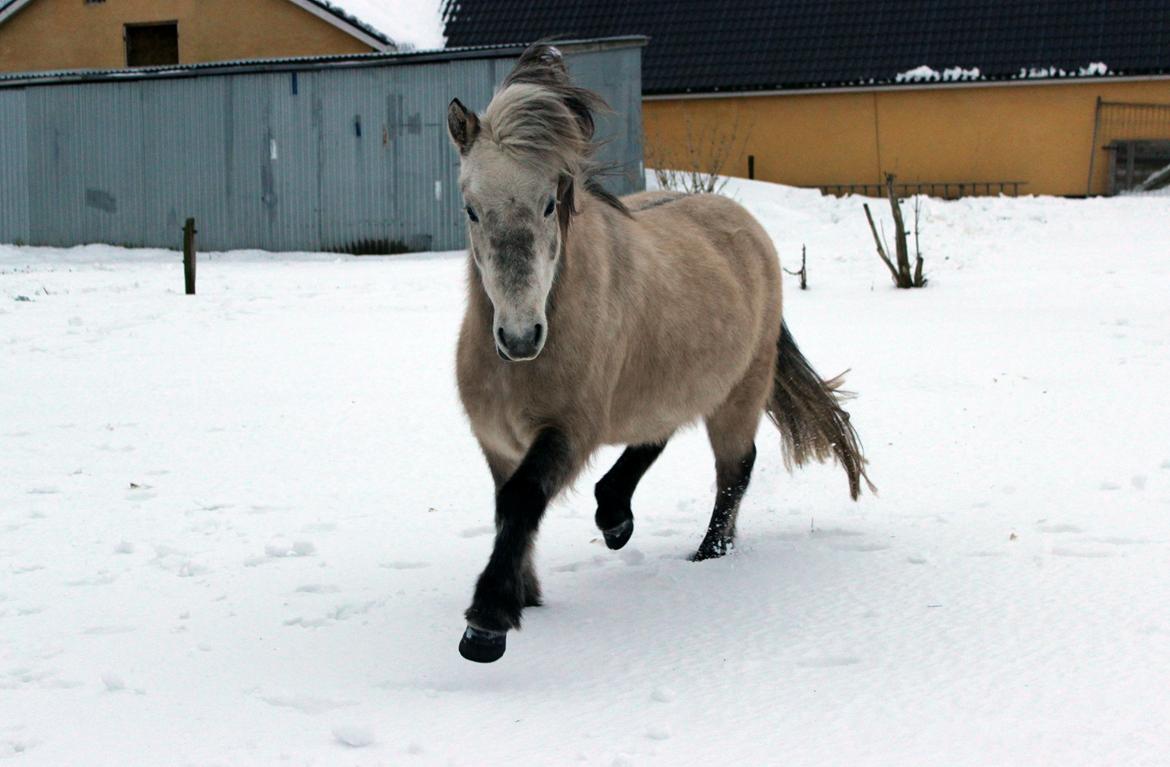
1017,137
1064,97
112,34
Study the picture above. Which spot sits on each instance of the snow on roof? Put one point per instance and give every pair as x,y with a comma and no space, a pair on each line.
925,74
409,23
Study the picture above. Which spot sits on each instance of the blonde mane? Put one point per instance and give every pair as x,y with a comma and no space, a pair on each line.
532,124
539,117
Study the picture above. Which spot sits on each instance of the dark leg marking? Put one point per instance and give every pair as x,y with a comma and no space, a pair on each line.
504,586
500,474
732,481
614,517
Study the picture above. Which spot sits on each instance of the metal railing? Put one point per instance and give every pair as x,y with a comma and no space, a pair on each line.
1118,122
948,190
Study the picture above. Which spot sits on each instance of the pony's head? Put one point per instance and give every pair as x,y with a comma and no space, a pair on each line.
520,162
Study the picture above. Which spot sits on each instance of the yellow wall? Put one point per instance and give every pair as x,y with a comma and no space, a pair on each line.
1040,134
73,34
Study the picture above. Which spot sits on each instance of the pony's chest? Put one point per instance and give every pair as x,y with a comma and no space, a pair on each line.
504,406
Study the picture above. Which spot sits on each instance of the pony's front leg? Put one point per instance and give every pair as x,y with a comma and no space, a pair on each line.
521,500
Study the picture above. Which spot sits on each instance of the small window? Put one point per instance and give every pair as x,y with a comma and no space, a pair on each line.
152,45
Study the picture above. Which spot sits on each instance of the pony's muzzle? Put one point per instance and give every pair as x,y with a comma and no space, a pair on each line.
520,348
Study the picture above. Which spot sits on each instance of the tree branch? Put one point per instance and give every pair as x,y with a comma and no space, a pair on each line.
877,241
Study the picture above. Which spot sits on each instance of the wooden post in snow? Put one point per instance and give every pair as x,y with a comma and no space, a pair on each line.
803,273
189,256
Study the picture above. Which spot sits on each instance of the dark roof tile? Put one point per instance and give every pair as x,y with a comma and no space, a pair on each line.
727,45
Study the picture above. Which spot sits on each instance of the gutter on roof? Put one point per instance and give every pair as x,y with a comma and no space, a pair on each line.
10,8
817,91
308,63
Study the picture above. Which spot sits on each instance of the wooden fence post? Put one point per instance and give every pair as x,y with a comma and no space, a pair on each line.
803,273
189,256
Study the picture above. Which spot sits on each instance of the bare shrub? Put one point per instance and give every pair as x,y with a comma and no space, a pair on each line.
701,165
901,274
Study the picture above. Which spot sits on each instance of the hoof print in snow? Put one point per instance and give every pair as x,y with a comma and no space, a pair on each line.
662,695
658,732
483,646
353,737
281,548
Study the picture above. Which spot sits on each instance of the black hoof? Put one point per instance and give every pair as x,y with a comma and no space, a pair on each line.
712,551
619,535
483,646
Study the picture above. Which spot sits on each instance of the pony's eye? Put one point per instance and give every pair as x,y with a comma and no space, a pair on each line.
471,214
548,209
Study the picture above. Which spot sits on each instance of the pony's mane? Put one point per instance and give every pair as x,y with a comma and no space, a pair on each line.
540,117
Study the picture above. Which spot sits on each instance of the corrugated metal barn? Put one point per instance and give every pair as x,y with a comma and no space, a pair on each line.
346,154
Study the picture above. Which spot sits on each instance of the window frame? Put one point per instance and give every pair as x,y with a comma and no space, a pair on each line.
143,24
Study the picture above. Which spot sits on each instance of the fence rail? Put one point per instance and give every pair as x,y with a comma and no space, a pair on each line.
949,190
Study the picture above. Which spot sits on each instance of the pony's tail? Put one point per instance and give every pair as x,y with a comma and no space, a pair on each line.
808,413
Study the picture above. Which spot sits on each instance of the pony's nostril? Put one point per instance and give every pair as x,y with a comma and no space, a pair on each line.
500,335
536,334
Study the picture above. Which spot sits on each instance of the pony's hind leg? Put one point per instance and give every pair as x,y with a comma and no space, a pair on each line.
731,479
614,516
732,430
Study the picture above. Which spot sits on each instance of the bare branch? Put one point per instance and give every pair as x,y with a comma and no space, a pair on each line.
904,279
705,154
878,242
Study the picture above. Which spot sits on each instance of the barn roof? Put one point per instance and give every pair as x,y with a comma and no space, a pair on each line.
382,24
301,63
705,46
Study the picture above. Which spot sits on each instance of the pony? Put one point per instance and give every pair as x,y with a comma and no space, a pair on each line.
593,320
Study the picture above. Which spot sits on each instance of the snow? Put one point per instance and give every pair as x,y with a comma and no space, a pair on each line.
353,736
240,528
409,23
925,74
1094,69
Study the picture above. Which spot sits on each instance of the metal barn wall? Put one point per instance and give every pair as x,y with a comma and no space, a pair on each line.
339,158
13,168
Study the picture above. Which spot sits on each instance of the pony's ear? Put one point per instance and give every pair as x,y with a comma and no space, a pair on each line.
463,126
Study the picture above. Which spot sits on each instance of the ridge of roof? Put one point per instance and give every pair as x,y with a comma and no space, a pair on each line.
354,21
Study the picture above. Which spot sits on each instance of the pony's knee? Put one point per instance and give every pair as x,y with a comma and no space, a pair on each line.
520,502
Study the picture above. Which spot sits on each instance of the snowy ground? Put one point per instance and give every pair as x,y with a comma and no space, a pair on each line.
241,528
